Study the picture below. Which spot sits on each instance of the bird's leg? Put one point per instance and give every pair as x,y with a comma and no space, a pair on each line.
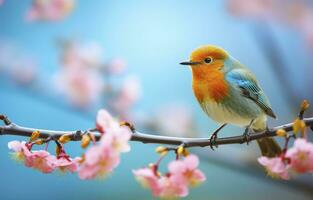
246,134
214,136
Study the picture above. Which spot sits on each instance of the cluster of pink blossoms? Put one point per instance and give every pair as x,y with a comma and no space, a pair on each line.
49,10
298,159
42,160
182,174
99,160
102,158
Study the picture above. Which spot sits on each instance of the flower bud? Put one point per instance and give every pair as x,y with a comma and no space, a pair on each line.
281,132
85,141
304,105
34,136
65,138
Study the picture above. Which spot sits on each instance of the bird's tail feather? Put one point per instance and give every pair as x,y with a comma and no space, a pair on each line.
269,147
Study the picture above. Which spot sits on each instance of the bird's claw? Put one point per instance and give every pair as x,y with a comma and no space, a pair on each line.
213,141
246,135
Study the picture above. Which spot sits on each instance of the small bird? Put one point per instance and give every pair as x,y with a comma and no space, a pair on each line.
230,94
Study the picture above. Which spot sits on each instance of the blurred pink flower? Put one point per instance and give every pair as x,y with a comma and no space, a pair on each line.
1,2
127,96
297,13
148,179
116,66
301,156
182,173
171,187
105,121
161,186
103,157
187,171
81,87
41,160
99,161
67,164
166,115
21,151
275,167
20,66
81,55
49,10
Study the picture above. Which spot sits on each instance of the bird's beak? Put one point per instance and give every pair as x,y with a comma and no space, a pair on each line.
190,63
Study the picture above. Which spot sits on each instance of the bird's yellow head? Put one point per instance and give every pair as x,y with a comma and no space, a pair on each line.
207,64
206,59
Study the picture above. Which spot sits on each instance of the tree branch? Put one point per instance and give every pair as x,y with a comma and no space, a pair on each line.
14,129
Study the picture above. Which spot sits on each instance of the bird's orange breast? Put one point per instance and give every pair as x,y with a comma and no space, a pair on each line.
209,84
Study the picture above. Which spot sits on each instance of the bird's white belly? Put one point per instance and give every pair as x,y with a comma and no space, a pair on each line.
222,114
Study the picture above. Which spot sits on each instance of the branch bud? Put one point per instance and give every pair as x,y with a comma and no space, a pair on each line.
34,136
85,141
65,138
304,105
298,125
181,150
161,150
281,132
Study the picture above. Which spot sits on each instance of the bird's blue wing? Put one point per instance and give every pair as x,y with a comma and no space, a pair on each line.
250,88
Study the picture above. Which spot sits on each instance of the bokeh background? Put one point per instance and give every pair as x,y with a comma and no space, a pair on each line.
58,69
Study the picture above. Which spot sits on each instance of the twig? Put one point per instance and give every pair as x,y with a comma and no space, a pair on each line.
14,129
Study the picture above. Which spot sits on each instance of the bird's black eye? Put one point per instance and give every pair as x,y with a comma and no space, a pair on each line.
208,60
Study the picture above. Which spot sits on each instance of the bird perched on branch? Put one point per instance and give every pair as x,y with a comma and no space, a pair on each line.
230,94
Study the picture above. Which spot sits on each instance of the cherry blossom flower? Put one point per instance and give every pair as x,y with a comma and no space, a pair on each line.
148,179
1,2
116,66
49,10
81,55
275,167
127,96
166,186
67,164
186,170
171,187
41,160
105,120
182,173
17,64
183,120
99,161
21,151
301,156
103,157
81,87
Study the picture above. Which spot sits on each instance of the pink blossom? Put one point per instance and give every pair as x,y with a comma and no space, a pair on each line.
171,187
82,87
183,120
81,55
49,10
1,2
21,151
99,161
166,186
186,170
301,156
103,157
127,96
116,66
148,179
105,120
67,164
275,167
41,160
